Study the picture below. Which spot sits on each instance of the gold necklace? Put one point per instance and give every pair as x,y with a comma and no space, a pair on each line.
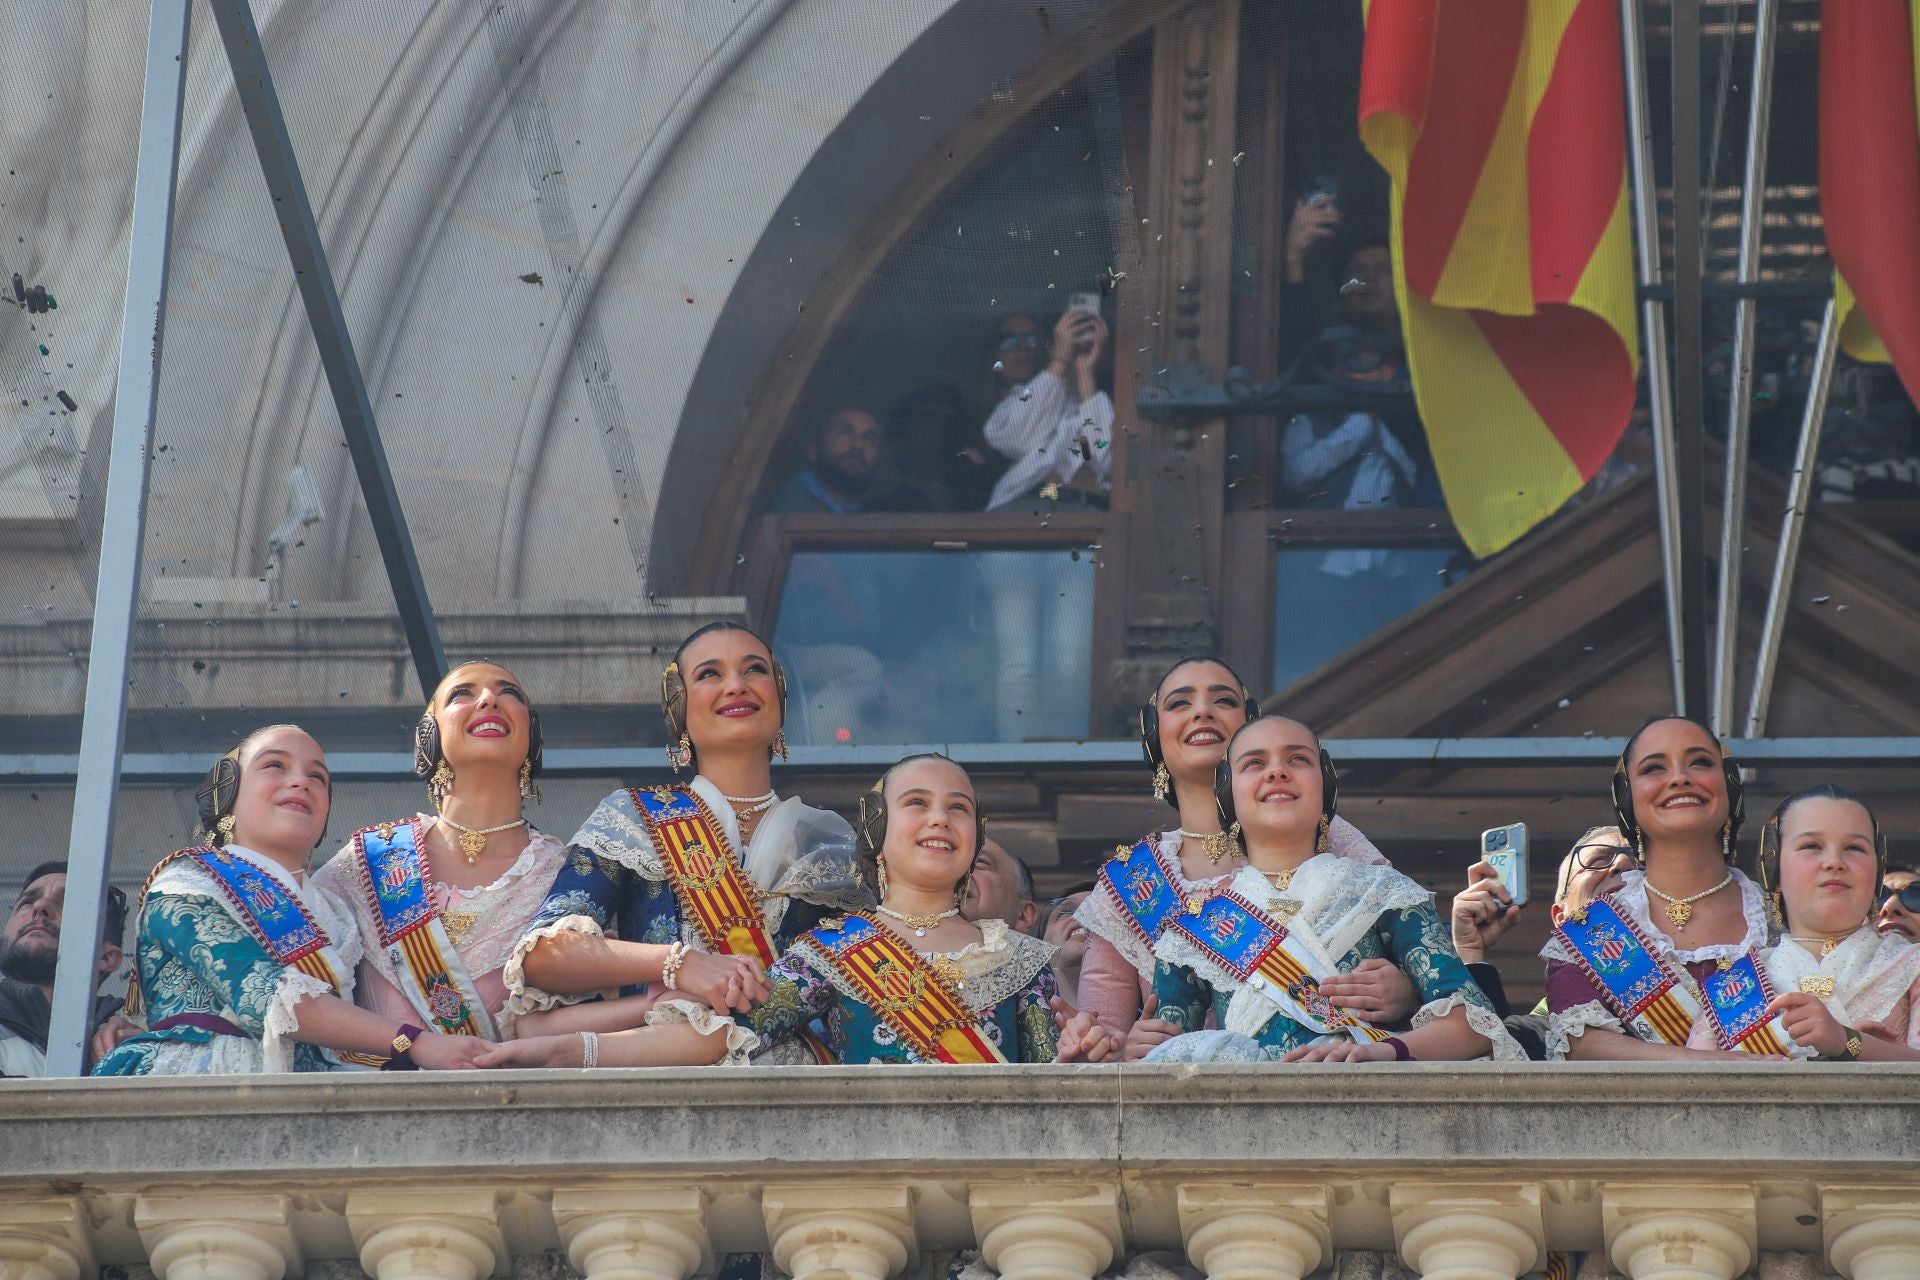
473,841
1680,910
1216,845
919,924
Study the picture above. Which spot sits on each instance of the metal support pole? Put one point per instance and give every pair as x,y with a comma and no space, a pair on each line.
123,529
1689,439
1653,324
1733,502
1792,524
314,277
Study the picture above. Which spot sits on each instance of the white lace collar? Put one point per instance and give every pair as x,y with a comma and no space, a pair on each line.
1869,973
1633,896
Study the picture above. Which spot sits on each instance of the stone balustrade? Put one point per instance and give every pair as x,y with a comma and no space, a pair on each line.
1466,1172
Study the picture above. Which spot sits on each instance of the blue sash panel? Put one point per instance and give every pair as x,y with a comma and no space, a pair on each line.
278,920
396,880
837,933
1138,885
1617,959
1736,1000
1229,931
666,804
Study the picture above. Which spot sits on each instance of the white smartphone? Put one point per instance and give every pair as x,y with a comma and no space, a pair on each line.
1084,302
1505,849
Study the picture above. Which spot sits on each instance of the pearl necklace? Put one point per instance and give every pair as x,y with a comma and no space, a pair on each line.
919,924
473,841
1828,945
747,806
1680,910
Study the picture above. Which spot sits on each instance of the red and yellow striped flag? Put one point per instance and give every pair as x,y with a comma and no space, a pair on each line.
1870,176
1503,126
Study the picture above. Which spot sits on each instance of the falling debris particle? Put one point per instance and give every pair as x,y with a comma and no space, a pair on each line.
1564,703
533,277
1821,599
19,288
1238,156
67,401
1050,490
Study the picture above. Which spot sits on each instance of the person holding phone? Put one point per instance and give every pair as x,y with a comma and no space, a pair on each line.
1055,428
1684,917
1253,952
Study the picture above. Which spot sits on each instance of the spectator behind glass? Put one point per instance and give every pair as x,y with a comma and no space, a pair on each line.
942,459
843,457
29,951
1069,939
1054,425
1894,915
1001,888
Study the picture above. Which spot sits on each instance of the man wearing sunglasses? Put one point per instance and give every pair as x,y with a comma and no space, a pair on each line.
1899,904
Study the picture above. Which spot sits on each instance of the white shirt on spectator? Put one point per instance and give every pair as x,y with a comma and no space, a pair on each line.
1039,427
1304,461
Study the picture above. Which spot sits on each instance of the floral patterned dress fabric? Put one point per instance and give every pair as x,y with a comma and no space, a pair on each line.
195,957
1006,983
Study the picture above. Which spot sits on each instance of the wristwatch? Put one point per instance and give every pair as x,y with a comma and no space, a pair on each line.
401,1059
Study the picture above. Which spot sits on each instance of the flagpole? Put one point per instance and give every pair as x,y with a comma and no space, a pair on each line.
1653,324
1733,503
1793,523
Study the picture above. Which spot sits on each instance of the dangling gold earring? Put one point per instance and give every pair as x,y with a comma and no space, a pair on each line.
1726,842
1162,781
1775,913
1323,841
680,754
528,791
1639,847
440,786
779,746
960,890
880,874
225,828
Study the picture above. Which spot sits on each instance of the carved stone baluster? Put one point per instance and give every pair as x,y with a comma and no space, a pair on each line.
1871,1233
1262,1231
1685,1231
1040,1231
217,1237
634,1233
427,1233
43,1240
839,1232
1468,1232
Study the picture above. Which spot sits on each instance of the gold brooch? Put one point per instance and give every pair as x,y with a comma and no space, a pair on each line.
1818,984
1121,852
386,833
1194,903
663,795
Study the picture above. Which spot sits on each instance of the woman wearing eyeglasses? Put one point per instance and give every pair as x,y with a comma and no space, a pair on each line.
1629,974
1054,425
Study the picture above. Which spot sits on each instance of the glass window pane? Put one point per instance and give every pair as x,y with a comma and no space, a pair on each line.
1328,599
918,646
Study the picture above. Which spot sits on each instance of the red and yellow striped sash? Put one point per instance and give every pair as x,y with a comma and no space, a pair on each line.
905,991
708,881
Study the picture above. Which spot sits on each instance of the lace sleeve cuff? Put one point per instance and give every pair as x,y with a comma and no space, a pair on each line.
1501,1046
1564,1026
282,1020
741,1043
523,998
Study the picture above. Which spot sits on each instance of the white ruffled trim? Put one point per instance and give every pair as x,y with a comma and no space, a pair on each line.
741,1043
1502,1047
282,1022
523,998
1564,1026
